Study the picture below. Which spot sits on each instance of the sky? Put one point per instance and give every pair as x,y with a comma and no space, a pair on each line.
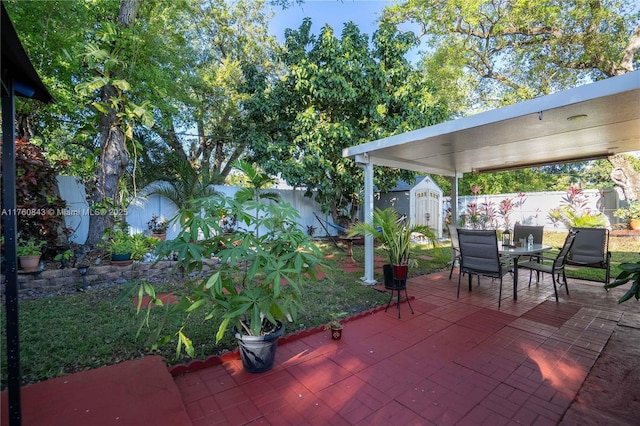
363,13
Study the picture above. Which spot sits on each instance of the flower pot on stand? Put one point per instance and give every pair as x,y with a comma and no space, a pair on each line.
400,274
259,352
29,263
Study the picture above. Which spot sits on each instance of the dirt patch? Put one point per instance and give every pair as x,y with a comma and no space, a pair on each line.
611,392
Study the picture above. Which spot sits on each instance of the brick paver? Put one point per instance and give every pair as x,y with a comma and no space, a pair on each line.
455,361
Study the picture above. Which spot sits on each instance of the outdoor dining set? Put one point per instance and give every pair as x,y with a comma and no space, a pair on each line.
481,253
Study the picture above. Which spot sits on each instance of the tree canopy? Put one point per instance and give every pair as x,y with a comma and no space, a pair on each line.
338,92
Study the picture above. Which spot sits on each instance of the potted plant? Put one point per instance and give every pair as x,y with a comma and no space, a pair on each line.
158,227
29,252
335,325
120,245
258,282
631,214
395,235
630,272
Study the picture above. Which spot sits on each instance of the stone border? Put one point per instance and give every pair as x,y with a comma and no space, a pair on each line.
96,274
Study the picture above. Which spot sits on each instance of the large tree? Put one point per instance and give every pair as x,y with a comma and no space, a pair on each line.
514,50
338,92
109,61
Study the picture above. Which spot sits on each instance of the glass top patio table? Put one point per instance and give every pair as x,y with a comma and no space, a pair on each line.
515,253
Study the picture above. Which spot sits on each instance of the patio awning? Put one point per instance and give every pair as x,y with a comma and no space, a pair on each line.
588,122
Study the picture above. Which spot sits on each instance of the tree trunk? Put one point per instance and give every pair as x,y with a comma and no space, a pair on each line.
625,176
114,157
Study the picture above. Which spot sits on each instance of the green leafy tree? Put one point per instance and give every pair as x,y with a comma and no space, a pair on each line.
338,92
515,50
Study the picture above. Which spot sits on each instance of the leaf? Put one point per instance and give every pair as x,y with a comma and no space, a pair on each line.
222,329
121,84
100,107
195,305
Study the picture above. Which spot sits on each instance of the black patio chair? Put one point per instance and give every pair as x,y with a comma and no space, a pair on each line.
455,247
479,256
591,250
522,232
556,267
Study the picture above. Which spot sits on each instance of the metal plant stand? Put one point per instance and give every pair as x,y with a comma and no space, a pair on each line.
398,286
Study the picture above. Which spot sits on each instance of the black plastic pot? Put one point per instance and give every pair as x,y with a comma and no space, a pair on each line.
387,270
259,352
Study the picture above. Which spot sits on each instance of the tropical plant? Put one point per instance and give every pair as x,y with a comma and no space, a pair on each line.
29,247
630,271
184,184
574,212
119,242
259,279
394,233
632,212
334,320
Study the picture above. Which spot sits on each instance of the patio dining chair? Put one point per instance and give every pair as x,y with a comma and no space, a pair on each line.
522,232
556,267
479,256
455,248
591,250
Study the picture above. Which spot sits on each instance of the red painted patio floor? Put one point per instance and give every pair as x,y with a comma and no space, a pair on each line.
454,361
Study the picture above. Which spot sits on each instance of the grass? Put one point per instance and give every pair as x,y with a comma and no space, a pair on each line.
67,334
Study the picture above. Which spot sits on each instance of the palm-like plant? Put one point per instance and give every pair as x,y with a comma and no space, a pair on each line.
394,233
185,185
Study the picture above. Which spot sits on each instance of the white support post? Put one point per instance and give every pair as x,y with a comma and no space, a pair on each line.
367,166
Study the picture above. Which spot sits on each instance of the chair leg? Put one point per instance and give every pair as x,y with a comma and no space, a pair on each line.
555,290
566,285
500,294
452,266
530,275
471,278
459,278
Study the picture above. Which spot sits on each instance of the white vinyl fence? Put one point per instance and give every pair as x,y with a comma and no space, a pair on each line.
139,212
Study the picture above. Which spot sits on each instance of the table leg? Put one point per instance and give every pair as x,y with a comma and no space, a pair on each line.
515,278
350,250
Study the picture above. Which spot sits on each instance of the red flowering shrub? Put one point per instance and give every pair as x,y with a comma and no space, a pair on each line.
38,203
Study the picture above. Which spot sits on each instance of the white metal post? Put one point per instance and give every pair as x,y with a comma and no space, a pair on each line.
367,166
